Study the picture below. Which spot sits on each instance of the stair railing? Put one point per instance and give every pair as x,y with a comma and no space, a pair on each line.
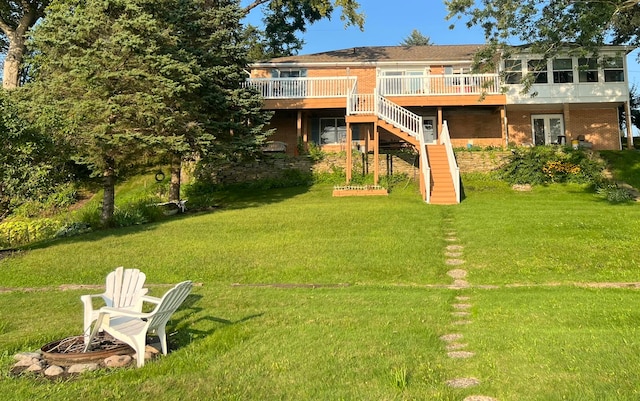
398,116
424,163
445,140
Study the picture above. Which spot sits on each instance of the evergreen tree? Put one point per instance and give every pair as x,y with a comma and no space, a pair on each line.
416,39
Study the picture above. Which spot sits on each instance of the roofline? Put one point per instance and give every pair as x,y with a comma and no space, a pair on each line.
290,64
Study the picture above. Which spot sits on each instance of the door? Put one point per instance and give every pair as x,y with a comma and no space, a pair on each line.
429,124
547,129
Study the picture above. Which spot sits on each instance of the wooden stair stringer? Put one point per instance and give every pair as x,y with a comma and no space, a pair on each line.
398,132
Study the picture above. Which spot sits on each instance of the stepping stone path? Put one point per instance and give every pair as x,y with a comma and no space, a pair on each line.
455,348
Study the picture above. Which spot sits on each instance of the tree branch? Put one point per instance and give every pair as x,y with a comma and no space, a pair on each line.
255,4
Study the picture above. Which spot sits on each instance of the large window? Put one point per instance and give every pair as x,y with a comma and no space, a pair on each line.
539,70
330,131
614,70
513,71
562,70
588,70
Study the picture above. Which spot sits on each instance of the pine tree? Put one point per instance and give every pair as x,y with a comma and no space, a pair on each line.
144,76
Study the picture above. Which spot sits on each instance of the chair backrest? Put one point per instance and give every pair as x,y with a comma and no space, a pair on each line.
169,303
124,286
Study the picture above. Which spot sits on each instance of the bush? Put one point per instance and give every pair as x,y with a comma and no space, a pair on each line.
615,194
551,164
21,232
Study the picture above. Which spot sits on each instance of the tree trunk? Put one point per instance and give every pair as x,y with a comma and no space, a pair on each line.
12,62
176,171
109,198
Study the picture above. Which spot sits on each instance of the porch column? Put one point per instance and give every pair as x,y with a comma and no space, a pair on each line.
299,138
439,123
349,155
503,125
567,122
376,156
627,113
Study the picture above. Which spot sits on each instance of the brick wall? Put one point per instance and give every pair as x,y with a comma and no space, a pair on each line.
598,125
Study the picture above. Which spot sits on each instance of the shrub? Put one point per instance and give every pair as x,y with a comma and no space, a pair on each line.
615,194
21,232
550,164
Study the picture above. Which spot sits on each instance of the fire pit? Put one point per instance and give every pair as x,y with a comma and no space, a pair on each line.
69,351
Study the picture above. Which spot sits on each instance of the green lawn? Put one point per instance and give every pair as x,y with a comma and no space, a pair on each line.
369,329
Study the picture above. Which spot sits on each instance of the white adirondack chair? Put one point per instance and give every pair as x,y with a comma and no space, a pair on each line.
123,290
132,327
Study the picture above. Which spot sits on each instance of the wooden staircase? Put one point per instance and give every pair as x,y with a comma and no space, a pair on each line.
442,189
398,132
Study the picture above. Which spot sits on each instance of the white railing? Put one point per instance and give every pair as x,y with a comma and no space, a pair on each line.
445,140
450,84
398,116
298,88
424,164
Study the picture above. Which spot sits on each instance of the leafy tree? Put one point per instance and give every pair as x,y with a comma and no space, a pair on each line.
549,26
416,38
32,164
16,18
285,19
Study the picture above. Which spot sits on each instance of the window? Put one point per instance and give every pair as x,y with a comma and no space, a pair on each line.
614,70
513,71
562,70
539,70
588,70
331,131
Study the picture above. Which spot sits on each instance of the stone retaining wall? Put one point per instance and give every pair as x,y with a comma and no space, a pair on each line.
273,167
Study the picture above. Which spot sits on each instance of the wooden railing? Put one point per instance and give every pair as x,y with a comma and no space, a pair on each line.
450,84
398,116
300,88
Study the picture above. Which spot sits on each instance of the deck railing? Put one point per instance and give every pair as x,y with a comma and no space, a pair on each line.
450,84
299,88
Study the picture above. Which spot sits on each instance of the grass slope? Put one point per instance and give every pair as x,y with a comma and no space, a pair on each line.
370,327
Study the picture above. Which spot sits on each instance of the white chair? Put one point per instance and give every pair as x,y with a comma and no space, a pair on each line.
132,327
123,290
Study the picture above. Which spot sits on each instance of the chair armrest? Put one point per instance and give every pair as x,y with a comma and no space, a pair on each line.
151,299
116,312
86,299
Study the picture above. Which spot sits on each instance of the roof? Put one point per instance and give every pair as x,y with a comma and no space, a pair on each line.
433,53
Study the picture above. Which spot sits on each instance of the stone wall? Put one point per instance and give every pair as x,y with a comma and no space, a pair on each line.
484,161
272,167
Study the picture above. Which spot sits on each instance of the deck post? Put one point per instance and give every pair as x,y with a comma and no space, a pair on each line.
376,157
503,125
349,153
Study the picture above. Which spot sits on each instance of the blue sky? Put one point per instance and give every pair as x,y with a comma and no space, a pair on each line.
387,23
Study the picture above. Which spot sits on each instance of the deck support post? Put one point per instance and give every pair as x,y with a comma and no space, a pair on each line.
439,123
349,153
376,157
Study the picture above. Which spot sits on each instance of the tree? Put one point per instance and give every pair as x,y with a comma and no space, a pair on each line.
32,164
416,38
135,77
285,19
16,18
108,69
228,120
549,26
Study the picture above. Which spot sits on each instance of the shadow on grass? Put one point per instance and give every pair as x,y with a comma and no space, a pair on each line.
193,324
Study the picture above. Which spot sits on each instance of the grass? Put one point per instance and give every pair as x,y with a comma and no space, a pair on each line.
369,327
624,165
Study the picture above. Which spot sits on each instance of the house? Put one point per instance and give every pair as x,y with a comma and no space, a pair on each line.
428,98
